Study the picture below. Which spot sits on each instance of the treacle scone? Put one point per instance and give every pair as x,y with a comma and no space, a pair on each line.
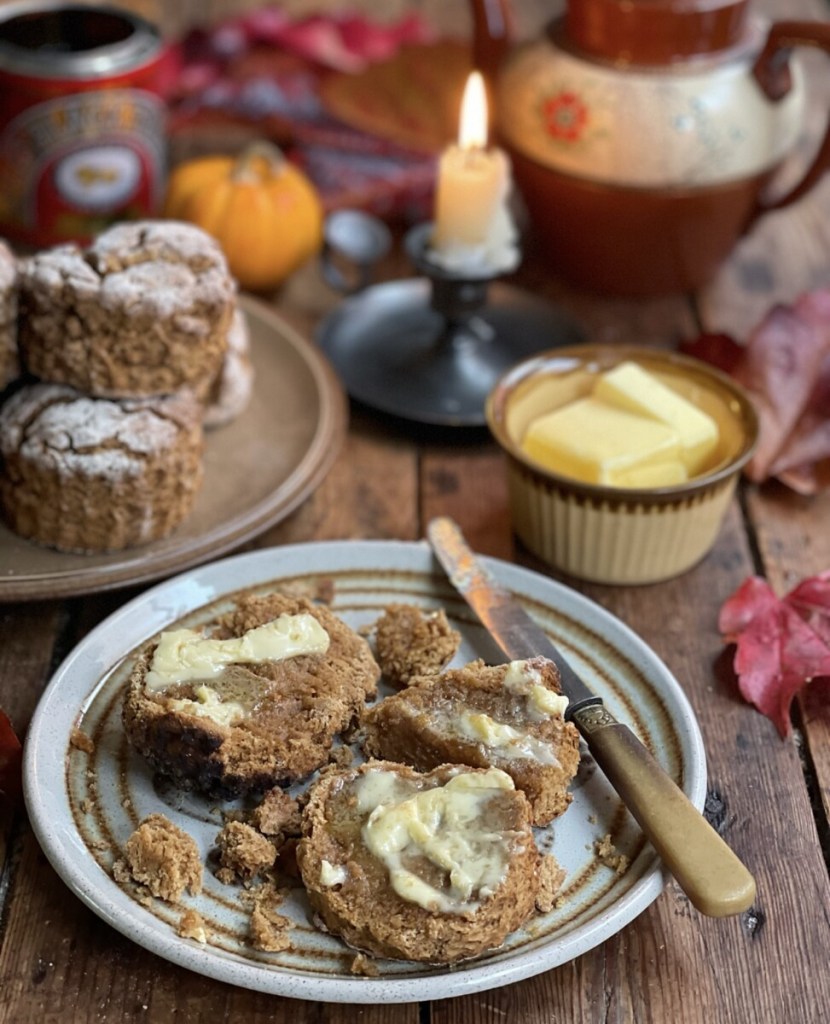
411,642
507,716
253,700
90,474
231,390
144,310
434,867
9,363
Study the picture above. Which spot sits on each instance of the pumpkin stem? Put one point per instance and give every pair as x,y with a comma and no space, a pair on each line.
245,168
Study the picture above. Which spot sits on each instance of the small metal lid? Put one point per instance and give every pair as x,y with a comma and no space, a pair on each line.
74,41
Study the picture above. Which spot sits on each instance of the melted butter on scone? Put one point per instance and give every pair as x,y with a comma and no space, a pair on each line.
332,874
208,704
183,655
445,825
506,741
524,679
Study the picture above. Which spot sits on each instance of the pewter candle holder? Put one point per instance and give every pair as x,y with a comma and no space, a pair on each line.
430,349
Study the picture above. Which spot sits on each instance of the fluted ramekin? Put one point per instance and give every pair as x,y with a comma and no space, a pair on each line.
614,534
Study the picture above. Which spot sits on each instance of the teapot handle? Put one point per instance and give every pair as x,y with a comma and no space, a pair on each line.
492,29
772,71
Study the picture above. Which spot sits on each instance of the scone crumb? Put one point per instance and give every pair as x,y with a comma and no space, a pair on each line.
243,853
364,966
269,931
551,877
192,926
324,591
341,756
277,814
162,857
80,741
610,856
410,643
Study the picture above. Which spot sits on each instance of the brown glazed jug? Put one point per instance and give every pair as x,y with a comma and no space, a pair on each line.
644,133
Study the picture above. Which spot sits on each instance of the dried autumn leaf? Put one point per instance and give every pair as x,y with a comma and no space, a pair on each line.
811,599
782,643
785,367
10,756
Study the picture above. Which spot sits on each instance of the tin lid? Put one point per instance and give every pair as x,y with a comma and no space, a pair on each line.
74,41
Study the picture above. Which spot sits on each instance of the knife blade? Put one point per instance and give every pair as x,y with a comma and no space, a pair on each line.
705,867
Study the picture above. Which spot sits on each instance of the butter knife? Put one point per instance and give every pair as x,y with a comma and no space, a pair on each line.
705,868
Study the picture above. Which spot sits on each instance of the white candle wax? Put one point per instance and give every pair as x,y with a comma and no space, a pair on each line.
472,185
473,227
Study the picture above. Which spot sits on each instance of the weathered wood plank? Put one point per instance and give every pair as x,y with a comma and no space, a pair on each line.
469,484
370,492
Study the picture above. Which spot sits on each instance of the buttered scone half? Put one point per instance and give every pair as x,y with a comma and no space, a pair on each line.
252,700
506,716
434,867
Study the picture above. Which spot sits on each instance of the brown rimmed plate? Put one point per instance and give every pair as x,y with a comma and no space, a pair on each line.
258,469
83,806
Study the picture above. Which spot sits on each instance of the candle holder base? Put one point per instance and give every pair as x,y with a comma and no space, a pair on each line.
430,349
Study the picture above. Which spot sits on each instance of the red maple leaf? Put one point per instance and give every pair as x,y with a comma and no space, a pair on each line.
781,643
10,756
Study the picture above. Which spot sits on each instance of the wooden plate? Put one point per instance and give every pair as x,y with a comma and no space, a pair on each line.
258,469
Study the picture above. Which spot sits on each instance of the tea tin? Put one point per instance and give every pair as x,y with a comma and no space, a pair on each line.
82,120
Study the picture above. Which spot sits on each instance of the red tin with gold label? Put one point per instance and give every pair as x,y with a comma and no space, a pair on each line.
81,120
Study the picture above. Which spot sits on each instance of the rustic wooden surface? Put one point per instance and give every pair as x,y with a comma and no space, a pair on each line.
770,798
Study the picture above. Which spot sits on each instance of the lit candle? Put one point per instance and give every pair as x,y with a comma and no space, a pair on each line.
473,227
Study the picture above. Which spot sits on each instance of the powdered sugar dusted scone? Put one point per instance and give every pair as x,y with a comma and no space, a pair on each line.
145,310
274,682
508,716
433,867
231,391
90,474
9,363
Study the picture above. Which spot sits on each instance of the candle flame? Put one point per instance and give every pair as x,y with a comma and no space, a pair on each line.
472,133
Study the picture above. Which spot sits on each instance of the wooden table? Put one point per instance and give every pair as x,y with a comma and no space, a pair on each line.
769,798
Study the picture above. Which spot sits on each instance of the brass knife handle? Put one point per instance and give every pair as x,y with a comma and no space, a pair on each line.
705,868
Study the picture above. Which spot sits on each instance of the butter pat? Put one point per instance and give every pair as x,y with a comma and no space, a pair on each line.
597,443
183,655
524,680
501,738
446,826
628,386
208,704
332,874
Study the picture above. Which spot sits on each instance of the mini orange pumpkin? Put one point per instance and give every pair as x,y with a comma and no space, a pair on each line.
263,211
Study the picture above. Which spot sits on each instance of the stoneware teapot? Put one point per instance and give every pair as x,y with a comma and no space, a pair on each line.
644,133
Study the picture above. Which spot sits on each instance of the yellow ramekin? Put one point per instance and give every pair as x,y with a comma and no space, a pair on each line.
615,534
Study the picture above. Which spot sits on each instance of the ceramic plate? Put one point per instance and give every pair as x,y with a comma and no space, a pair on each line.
83,806
257,469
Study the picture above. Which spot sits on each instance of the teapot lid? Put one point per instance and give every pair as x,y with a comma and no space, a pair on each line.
654,31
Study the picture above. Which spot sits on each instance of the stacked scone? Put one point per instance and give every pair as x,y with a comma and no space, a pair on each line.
134,342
